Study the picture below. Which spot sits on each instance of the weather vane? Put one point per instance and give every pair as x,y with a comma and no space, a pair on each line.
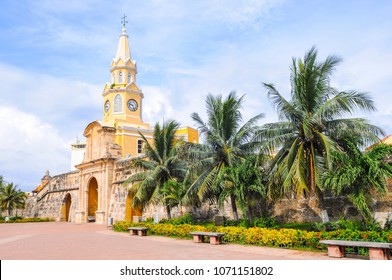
123,20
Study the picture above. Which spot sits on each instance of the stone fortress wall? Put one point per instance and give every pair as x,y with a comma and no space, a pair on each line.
53,197
51,202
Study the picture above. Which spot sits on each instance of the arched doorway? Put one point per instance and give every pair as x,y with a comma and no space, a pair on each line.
65,208
92,199
129,211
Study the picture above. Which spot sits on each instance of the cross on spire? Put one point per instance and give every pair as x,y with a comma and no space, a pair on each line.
123,20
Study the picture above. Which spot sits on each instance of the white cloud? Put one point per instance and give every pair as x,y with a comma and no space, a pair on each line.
40,115
29,146
241,11
157,105
61,102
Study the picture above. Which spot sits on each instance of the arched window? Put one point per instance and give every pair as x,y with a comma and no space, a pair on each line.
120,77
118,104
129,77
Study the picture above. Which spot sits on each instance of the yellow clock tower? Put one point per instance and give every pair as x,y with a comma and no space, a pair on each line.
123,101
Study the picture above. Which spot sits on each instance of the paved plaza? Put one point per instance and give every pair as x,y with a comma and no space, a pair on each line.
69,241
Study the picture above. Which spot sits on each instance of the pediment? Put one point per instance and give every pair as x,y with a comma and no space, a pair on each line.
95,125
132,86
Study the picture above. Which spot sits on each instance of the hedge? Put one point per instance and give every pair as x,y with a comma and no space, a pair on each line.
26,220
285,238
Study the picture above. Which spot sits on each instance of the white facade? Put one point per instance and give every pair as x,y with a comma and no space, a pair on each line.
77,154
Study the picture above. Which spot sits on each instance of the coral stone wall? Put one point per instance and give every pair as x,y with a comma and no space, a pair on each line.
50,200
118,199
306,210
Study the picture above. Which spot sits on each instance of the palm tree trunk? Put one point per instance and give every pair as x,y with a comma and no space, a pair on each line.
322,206
168,212
234,207
250,214
181,212
315,192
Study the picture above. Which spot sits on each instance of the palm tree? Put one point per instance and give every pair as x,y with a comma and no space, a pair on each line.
226,141
12,198
160,165
358,175
244,181
173,193
310,125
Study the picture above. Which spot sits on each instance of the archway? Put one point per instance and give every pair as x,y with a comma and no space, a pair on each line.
129,211
67,206
92,199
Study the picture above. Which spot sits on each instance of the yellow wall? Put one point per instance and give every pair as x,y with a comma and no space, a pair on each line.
128,140
92,197
129,211
188,134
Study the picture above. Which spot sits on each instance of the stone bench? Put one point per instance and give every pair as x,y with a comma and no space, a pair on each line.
215,237
377,250
141,231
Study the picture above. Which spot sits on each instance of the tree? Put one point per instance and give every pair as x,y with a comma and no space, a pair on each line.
310,125
12,198
359,175
244,181
160,165
226,141
173,194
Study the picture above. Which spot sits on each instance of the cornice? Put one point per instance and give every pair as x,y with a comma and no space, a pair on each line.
123,89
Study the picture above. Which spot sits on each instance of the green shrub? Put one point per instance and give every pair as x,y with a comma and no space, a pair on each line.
350,224
149,220
186,219
373,226
265,222
15,218
240,223
328,226
388,223
26,220
299,226
35,220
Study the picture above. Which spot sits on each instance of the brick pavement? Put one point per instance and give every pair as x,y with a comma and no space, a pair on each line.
69,241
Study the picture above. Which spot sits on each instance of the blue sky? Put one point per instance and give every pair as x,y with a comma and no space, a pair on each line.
55,57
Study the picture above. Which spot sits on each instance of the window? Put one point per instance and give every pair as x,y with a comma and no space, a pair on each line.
120,77
139,146
129,77
118,104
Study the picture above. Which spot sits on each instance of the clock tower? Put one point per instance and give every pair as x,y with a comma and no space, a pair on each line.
123,101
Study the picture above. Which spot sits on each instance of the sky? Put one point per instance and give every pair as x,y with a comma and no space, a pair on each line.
55,60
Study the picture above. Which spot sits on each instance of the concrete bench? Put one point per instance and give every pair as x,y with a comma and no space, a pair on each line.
377,250
215,237
141,231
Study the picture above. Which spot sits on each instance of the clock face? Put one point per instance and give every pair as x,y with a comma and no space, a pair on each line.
132,105
107,106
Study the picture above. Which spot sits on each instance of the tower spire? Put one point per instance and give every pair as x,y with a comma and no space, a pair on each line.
123,51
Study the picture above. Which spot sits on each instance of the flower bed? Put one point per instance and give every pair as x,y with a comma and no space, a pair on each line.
285,238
